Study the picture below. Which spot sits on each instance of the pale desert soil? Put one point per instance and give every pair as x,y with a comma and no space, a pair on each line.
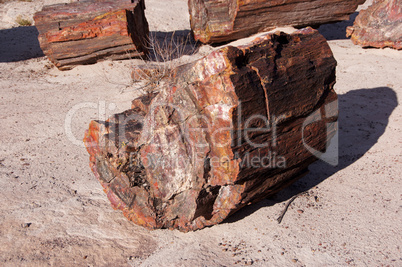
54,212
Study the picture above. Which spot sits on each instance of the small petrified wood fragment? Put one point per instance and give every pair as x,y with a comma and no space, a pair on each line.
380,25
215,21
227,130
87,31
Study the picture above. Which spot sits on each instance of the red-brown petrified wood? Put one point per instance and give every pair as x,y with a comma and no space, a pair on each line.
380,25
227,130
215,21
87,31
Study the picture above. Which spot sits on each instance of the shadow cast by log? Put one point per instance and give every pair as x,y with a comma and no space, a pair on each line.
363,118
337,31
19,44
166,46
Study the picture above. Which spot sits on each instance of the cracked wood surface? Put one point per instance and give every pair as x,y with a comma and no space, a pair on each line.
221,21
89,31
186,157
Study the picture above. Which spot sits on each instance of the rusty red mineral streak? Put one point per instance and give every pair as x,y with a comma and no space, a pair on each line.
215,21
106,25
186,158
88,31
380,25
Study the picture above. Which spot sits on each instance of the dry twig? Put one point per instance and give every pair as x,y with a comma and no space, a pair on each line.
279,219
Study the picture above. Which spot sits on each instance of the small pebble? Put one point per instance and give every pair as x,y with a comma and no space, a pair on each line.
25,225
300,211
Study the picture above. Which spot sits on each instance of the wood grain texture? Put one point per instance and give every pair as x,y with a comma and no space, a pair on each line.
215,21
89,31
228,130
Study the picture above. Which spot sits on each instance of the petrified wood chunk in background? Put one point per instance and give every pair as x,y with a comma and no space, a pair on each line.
87,31
215,21
227,130
380,25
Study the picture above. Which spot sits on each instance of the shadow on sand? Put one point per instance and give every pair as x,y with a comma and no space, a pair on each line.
363,118
165,46
19,44
22,43
337,31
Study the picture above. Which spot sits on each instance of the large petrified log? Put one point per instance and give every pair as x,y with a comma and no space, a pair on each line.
87,31
380,25
215,21
227,130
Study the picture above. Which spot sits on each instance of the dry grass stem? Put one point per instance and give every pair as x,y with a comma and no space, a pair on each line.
164,56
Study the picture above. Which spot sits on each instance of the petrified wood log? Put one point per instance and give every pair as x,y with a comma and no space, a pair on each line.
215,21
87,31
227,130
380,25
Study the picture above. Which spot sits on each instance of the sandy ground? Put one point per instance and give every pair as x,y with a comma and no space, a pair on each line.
54,211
